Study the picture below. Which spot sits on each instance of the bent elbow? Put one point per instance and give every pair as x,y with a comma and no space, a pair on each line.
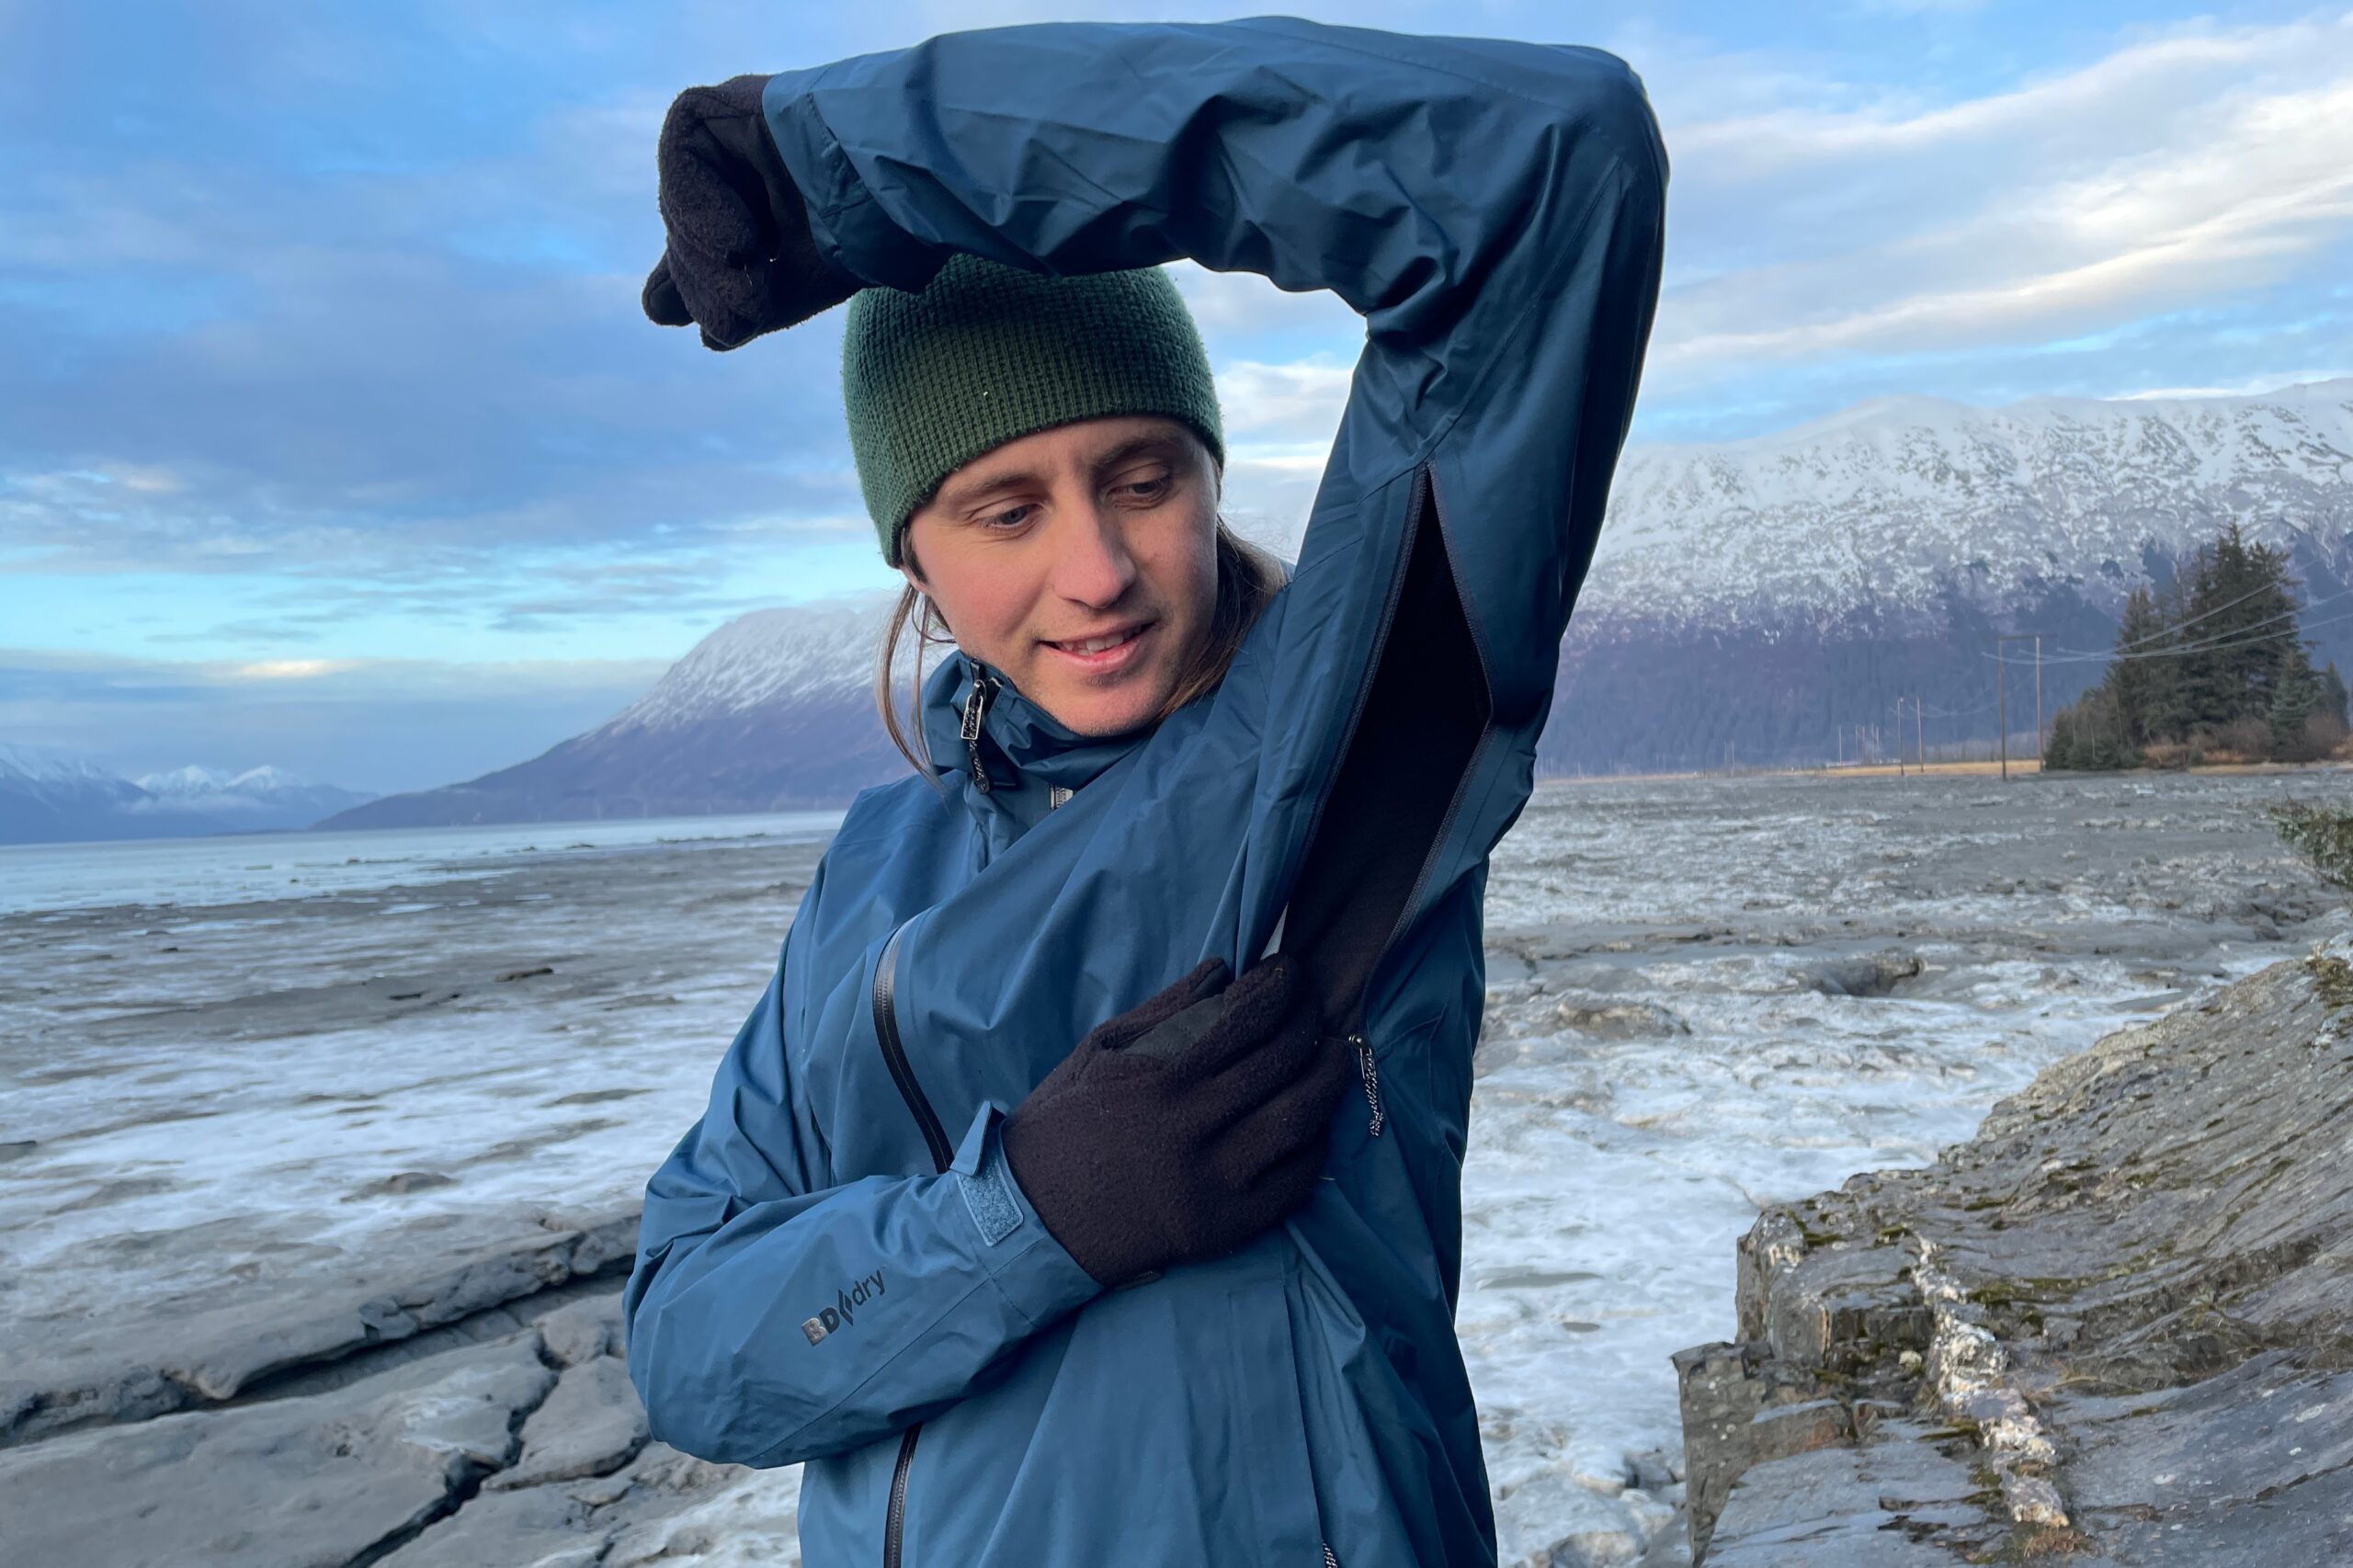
699,1398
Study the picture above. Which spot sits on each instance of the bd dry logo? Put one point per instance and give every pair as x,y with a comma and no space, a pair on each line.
844,1307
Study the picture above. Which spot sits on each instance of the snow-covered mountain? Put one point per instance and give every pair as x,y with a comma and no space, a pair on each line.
48,797
1879,512
1767,595
773,711
258,797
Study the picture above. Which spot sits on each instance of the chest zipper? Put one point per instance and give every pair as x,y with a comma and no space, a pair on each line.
1369,1070
976,708
935,1138
1329,1561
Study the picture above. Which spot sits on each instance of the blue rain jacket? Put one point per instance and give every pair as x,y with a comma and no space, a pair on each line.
835,1265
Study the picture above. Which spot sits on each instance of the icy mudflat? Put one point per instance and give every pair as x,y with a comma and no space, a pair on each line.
291,1105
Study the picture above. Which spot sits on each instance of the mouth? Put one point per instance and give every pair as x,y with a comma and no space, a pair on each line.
1106,650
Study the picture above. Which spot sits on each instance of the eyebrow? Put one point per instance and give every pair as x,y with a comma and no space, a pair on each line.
955,497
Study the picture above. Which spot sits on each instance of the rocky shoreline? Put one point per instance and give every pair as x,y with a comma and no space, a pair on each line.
306,1199
477,1416
2116,1326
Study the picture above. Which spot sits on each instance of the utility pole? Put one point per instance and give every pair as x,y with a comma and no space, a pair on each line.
2002,713
2002,694
1919,734
2038,705
1898,737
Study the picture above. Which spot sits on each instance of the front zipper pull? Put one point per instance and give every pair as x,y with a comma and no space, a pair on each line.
976,707
1369,1070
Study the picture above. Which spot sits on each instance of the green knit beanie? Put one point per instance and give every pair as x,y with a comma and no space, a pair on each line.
986,352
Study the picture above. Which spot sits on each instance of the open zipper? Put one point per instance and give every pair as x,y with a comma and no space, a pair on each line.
1424,510
935,1138
1367,1069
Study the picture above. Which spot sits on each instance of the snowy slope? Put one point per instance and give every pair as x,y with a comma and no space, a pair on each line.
772,711
767,658
47,797
262,797
1766,595
1878,511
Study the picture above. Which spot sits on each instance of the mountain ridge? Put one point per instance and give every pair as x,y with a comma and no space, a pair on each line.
1772,597
52,798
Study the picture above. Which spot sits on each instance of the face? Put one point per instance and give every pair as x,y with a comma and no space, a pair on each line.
1080,564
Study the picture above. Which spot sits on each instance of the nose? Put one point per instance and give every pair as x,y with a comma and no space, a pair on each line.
1092,563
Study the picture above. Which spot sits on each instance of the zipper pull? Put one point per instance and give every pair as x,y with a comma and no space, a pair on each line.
976,706
1369,1070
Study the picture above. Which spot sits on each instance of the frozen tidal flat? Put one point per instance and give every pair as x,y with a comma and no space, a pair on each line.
228,1102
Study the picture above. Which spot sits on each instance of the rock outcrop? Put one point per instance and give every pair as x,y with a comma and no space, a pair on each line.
513,1437
2113,1327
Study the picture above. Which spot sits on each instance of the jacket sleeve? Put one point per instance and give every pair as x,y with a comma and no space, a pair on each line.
1494,211
773,1317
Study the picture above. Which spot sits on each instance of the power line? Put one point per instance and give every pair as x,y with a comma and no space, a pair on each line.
2288,614
2230,638
2206,614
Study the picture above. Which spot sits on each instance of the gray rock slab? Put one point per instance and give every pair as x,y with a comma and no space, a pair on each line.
192,1351
1899,1504
593,1422
2256,1431
544,1526
309,1483
1863,974
583,1329
2129,1293
2309,1524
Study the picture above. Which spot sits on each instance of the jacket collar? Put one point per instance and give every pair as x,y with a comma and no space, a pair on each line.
1026,755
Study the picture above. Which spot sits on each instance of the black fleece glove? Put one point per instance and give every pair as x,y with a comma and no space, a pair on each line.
1184,1126
739,260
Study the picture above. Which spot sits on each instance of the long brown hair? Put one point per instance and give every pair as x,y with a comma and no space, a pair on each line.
1246,580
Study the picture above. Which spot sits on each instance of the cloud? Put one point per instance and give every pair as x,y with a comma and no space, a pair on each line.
381,724
2178,168
290,669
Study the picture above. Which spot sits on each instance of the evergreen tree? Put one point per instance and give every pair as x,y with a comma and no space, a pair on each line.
2333,694
2135,680
2215,649
2296,699
2241,635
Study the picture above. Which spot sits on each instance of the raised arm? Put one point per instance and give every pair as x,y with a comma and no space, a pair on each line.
1495,210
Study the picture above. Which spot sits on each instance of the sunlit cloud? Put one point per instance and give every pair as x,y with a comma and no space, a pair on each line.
2173,170
291,669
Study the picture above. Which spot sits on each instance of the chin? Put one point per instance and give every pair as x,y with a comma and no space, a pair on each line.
1099,714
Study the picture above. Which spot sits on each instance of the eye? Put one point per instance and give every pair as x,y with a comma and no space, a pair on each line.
1010,518
1146,490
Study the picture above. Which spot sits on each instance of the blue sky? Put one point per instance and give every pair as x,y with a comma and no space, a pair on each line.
331,434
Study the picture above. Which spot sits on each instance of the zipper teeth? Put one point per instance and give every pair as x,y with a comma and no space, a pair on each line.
1369,1070
976,708
894,1054
894,1528
935,1138
1329,1561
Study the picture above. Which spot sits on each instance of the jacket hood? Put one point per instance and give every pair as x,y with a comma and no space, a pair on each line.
1031,760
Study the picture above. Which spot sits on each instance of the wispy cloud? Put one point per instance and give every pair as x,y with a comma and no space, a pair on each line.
2174,169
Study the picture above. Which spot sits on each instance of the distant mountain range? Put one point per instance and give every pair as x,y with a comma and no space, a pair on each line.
49,799
1762,598
773,711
